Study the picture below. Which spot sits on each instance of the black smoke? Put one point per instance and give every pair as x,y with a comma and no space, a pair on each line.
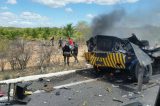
103,23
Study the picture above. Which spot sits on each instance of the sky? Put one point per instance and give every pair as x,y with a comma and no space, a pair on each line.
58,13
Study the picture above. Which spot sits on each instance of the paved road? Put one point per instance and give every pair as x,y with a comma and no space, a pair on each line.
84,89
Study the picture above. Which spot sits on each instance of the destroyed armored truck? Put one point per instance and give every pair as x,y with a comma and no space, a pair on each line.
127,55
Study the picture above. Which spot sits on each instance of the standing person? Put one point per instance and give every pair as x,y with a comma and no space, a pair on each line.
75,52
66,53
60,42
52,41
70,43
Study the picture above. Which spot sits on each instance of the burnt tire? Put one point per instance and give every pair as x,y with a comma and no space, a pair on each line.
147,72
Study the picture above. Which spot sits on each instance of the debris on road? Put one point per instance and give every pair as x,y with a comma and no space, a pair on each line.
118,100
20,95
44,102
48,80
108,89
48,87
28,93
78,91
124,96
134,104
65,88
115,86
85,103
57,93
135,96
39,91
99,95
69,98
130,94
40,79
119,81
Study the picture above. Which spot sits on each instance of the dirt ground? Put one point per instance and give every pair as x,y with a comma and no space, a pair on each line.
56,64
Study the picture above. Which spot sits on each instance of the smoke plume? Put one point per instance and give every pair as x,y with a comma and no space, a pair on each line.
105,22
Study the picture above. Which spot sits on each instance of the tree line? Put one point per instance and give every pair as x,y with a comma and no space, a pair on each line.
79,31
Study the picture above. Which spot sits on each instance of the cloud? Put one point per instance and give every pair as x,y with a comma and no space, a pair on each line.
11,2
7,15
62,3
68,10
4,8
24,19
91,16
32,16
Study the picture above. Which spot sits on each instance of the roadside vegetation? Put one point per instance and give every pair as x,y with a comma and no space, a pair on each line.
27,51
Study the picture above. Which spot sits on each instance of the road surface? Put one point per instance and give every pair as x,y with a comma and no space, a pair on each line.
84,88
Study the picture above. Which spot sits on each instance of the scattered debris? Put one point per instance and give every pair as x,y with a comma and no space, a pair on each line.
130,94
44,102
108,89
134,104
78,91
48,80
48,87
86,77
124,96
20,89
85,103
28,93
118,100
136,96
119,81
115,86
57,93
39,91
138,92
65,88
69,98
40,79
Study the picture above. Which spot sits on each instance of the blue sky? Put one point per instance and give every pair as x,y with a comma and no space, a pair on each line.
49,13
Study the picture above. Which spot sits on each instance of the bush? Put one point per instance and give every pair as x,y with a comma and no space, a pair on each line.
4,48
44,57
19,54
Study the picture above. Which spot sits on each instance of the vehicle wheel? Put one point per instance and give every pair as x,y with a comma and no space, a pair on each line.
147,72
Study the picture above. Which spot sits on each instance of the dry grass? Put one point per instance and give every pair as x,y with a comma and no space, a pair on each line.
56,63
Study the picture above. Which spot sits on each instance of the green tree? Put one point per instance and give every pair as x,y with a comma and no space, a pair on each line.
68,30
83,30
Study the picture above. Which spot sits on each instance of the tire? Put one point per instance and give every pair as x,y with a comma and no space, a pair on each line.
147,72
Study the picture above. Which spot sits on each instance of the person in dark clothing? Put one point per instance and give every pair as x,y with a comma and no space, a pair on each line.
75,52
66,53
52,41
60,42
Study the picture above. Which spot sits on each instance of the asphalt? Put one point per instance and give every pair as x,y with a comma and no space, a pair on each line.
99,92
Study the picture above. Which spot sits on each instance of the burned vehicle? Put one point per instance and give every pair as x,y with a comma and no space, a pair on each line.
126,55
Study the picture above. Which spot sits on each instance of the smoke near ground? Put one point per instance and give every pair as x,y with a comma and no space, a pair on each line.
105,22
